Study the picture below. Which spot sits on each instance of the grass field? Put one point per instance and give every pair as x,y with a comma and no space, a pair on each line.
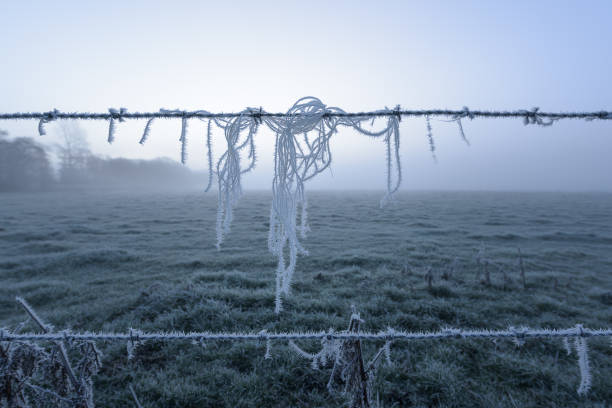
114,261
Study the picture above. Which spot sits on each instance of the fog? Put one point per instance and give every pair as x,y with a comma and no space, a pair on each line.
28,165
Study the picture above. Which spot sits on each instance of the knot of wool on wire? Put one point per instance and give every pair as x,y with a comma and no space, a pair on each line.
532,117
48,117
114,115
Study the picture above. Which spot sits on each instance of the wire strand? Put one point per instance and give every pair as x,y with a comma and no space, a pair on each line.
471,114
389,334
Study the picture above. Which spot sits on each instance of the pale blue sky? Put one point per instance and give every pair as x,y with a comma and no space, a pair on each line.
224,56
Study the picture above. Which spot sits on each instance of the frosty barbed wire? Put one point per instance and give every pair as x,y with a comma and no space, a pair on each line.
342,348
331,341
386,335
457,114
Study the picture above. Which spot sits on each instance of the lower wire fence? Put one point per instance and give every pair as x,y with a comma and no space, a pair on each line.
387,335
24,364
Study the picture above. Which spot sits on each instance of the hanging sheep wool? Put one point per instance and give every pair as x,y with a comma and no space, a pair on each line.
302,150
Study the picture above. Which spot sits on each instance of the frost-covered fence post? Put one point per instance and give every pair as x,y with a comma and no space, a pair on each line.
344,350
359,377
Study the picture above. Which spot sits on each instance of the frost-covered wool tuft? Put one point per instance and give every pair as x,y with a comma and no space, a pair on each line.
229,170
582,349
302,150
146,132
118,115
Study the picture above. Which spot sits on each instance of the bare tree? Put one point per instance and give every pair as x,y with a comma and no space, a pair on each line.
73,153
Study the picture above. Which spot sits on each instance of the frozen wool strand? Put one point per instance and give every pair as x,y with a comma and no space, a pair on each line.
566,346
133,342
49,116
392,135
299,158
296,160
183,140
209,156
387,349
229,170
111,131
268,354
111,124
465,114
582,349
432,146
462,133
146,132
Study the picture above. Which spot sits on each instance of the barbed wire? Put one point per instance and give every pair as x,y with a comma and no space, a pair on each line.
387,335
335,345
123,114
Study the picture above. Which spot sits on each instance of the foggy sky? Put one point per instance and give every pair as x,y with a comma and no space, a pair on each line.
225,56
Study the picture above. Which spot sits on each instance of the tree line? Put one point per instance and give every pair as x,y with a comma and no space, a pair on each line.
26,165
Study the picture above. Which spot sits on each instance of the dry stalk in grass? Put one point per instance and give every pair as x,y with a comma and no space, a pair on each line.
18,363
429,278
135,397
506,278
25,365
450,270
522,269
480,259
61,345
487,273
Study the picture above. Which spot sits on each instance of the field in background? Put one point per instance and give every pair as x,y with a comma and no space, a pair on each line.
113,261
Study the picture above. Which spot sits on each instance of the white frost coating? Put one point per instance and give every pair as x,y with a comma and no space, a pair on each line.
229,170
114,114
582,349
209,156
133,343
297,159
183,139
432,145
566,346
330,350
386,335
49,117
147,130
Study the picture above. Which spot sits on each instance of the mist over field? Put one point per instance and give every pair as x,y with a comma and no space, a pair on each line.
26,164
110,261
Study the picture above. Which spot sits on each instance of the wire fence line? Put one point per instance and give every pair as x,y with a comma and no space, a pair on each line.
342,349
387,335
123,114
